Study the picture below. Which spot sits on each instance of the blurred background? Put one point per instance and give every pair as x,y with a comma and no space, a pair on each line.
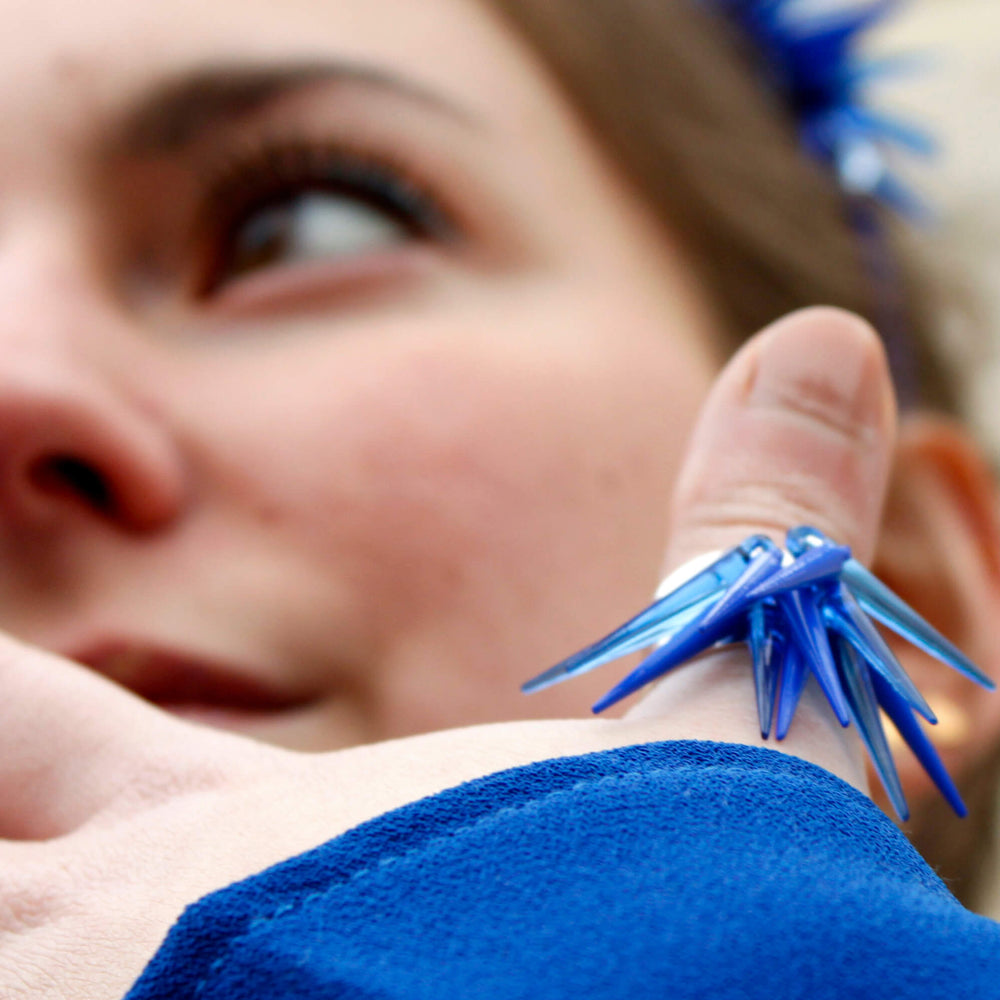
957,97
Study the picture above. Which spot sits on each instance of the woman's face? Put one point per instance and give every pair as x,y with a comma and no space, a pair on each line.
342,383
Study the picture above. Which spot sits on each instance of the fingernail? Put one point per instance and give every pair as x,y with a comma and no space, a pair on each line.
826,365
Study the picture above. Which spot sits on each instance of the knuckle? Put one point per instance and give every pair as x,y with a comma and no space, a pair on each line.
747,507
179,769
155,779
30,897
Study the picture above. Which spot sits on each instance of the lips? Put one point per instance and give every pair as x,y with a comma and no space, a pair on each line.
184,682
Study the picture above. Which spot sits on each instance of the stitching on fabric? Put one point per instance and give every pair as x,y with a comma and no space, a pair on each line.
491,817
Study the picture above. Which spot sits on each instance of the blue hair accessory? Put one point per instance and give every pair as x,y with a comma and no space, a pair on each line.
803,611
811,60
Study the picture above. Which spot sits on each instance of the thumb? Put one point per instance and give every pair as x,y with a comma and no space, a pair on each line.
798,429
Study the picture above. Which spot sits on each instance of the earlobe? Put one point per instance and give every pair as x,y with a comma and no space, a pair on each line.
940,550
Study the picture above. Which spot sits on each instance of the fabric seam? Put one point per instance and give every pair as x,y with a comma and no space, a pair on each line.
290,907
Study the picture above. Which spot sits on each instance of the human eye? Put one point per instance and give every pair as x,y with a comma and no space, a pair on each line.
282,206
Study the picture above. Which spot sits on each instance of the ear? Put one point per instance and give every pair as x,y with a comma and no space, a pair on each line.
939,549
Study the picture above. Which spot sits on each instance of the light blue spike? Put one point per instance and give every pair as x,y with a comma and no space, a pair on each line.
688,642
638,633
811,567
894,193
916,739
809,634
617,645
891,129
766,649
664,618
762,566
864,71
843,614
658,632
864,713
837,26
793,679
802,538
881,603
861,165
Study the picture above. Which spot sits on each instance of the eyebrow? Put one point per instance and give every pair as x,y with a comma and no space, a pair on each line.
175,113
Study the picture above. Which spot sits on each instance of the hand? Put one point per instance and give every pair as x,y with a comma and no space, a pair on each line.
114,816
799,429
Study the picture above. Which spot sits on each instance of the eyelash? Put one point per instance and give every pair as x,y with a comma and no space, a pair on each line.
270,171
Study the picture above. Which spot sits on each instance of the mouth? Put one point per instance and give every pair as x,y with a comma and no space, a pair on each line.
187,684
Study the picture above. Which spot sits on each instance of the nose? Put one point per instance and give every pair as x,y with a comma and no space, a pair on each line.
74,439
66,445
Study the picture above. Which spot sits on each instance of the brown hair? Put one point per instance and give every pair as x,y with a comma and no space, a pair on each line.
675,97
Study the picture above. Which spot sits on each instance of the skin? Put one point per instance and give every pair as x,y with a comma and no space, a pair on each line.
391,488
329,476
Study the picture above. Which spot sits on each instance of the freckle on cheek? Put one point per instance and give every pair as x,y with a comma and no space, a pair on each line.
610,479
270,514
68,68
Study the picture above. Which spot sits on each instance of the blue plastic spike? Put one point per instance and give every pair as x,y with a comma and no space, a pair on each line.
638,633
890,129
762,566
662,619
893,192
864,712
688,642
842,614
619,643
793,680
865,71
811,567
881,603
809,634
652,625
766,647
657,632
801,539
908,727
861,165
835,30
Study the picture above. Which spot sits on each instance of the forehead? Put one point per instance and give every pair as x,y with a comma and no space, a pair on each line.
67,64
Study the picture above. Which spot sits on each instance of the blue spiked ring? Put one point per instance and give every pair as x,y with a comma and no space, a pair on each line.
801,611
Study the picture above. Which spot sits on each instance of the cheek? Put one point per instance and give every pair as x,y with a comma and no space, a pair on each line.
531,520
446,472
486,504
517,491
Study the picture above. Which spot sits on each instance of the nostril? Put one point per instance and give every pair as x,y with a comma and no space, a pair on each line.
64,475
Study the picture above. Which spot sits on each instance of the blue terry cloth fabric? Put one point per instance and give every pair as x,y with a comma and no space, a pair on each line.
675,870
